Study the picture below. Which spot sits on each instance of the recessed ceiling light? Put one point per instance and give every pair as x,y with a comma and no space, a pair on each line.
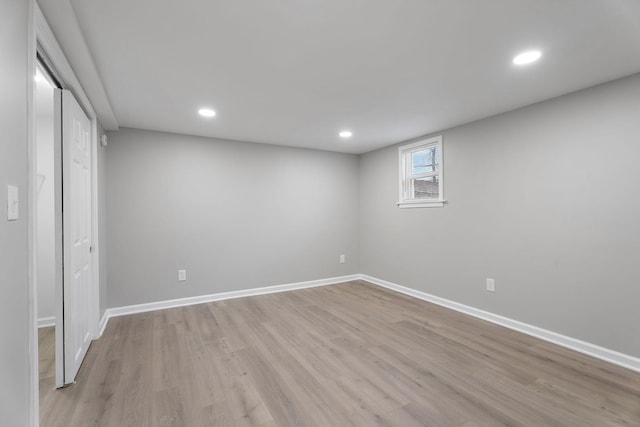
206,112
345,134
527,57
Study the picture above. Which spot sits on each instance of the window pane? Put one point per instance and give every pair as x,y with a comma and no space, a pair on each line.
425,160
426,188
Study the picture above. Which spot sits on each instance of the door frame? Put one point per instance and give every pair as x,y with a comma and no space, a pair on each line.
40,37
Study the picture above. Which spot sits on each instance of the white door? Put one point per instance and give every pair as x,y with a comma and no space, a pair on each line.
76,230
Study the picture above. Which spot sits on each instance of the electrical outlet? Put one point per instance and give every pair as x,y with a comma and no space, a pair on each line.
491,285
343,259
182,275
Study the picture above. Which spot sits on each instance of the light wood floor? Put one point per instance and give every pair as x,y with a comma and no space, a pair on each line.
47,354
346,355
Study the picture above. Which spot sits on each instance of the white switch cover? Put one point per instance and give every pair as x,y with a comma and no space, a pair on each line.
491,285
12,203
182,275
343,259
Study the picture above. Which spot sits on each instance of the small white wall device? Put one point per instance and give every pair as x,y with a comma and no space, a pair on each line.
103,141
12,203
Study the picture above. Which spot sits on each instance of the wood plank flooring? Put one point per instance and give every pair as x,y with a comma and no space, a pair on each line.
344,355
47,358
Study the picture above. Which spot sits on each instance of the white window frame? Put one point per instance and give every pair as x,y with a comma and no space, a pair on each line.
404,176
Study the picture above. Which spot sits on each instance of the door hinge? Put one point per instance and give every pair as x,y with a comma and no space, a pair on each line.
90,249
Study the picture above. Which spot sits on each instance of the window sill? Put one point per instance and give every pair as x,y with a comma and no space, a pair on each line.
422,204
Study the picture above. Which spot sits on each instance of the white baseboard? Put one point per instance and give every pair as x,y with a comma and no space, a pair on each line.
103,323
45,322
611,356
181,302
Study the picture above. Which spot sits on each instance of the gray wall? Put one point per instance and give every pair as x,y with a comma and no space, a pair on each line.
544,199
14,305
235,215
102,222
541,199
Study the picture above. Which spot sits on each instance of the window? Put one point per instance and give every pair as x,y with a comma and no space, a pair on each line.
420,166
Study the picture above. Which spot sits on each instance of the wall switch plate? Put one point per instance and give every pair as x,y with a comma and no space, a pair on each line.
343,259
13,203
491,285
182,275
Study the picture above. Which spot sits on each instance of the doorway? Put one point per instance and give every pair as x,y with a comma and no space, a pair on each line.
48,61
63,223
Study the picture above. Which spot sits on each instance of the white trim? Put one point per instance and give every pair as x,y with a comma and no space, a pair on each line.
103,323
59,262
421,204
426,141
611,356
94,296
45,322
32,292
181,302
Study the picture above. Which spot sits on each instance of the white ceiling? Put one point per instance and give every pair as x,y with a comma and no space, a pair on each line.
296,72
